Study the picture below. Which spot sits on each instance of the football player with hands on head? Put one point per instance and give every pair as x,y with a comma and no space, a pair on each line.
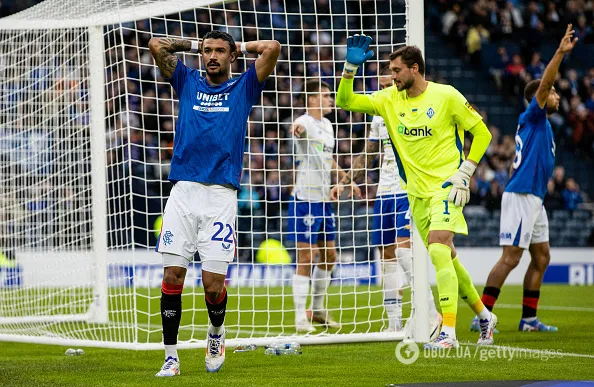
205,170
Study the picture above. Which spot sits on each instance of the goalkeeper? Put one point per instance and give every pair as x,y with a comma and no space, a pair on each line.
426,123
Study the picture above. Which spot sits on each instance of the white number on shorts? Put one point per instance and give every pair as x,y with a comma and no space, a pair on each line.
221,226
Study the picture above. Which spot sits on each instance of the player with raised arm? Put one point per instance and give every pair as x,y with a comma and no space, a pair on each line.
205,170
426,123
311,218
524,224
391,223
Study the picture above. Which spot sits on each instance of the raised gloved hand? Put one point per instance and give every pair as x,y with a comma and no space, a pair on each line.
460,182
357,52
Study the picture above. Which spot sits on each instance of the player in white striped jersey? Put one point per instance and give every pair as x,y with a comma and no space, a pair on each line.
391,223
311,218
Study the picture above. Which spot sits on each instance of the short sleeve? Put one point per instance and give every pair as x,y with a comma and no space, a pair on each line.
374,134
462,111
534,113
178,78
302,120
253,86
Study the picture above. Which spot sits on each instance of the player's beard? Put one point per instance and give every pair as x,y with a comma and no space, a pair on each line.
405,85
218,72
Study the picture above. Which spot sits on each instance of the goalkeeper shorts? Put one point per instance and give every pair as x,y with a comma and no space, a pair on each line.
436,213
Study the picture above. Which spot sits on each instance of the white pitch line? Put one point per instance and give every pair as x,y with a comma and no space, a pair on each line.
547,307
205,329
529,350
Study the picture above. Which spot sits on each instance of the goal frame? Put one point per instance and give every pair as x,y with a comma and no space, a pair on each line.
98,312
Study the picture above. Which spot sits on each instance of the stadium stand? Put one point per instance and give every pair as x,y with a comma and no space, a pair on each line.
490,71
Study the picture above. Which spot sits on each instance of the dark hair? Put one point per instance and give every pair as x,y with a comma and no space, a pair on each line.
385,70
410,55
313,86
221,35
530,89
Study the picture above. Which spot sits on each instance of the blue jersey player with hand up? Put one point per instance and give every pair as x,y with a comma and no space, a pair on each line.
524,224
205,169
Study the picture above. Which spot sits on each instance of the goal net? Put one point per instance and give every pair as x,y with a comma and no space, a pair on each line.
86,136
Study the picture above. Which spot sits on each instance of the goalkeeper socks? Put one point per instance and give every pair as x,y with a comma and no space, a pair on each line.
490,295
320,281
171,309
405,260
530,303
217,309
468,291
300,292
392,296
447,285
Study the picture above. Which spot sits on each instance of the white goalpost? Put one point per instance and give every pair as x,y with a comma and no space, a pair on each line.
86,134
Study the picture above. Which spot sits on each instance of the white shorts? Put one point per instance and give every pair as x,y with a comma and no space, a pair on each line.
523,220
199,218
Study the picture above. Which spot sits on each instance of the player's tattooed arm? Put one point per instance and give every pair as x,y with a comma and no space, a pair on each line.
362,162
342,176
164,49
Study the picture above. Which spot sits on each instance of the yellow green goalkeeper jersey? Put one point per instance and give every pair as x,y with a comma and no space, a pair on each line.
427,131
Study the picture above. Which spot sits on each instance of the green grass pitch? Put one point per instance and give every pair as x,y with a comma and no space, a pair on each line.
373,364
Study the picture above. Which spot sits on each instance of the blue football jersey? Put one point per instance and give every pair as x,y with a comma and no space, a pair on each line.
535,152
211,127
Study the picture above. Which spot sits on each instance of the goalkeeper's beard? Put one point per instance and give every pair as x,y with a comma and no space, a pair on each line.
405,85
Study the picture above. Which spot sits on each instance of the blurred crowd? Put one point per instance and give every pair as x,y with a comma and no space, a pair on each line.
529,25
141,112
141,108
491,177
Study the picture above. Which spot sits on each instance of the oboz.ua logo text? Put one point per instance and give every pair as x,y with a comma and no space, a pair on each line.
419,132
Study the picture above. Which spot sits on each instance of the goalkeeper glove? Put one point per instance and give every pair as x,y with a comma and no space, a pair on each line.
357,52
460,181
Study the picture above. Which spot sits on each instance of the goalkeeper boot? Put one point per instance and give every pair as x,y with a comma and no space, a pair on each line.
487,328
215,348
435,326
536,326
170,368
476,327
304,326
443,341
322,317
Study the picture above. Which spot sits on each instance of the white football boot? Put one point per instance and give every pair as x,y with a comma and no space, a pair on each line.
215,349
304,326
487,329
170,367
443,341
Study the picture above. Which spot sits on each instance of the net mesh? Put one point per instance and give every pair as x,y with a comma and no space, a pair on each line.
45,184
